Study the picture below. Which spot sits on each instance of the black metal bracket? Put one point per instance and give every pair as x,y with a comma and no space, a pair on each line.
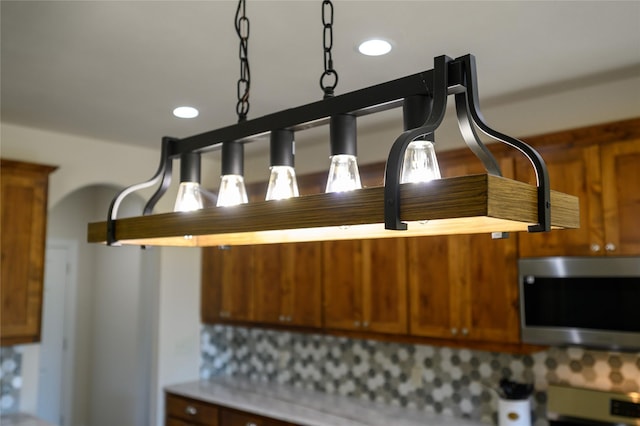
162,175
458,77
396,155
539,166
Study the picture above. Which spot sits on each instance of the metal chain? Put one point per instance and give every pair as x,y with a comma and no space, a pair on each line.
244,82
327,40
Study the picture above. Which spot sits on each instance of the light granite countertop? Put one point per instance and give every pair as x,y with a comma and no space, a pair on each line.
307,407
21,419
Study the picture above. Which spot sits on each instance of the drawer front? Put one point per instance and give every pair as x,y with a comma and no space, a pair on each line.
172,421
240,418
193,411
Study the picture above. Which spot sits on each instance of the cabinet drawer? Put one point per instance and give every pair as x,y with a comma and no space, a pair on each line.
193,411
172,421
240,418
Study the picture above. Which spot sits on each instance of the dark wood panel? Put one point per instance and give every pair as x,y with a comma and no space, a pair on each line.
191,410
23,222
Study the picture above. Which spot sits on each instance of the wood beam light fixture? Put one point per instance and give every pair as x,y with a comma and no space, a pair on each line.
485,203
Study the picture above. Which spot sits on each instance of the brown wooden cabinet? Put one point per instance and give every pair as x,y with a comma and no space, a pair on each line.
606,179
183,411
187,411
620,163
364,284
464,286
229,417
288,280
434,300
269,284
364,281
227,284
23,228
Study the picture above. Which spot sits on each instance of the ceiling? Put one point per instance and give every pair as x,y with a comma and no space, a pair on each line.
114,70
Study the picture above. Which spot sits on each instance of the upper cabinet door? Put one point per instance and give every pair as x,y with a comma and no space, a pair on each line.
342,284
288,279
227,284
238,283
271,282
575,171
621,197
304,284
384,269
210,285
23,229
433,297
488,296
364,284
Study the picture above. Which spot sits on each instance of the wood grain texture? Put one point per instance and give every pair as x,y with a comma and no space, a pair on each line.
230,417
621,197
288,279
459,205
191,411
23,228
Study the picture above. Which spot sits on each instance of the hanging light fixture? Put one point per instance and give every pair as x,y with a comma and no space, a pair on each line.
420,163
343,171
483,203
189,196
232,189
282,181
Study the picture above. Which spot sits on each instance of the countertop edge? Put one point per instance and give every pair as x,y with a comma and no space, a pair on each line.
305,407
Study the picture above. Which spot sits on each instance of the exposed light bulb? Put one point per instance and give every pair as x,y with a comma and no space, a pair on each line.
189,197
343,174
282,183
232,191
420,163
282,180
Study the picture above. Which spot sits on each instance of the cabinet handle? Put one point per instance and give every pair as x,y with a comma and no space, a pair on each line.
365,324
356,323
595,248
289,319
465,332
191,410
250,424
281,318
610,247
454,331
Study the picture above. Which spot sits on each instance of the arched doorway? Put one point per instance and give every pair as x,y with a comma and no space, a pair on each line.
109,323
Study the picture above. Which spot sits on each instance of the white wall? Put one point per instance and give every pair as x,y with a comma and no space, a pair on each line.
179,321
115,331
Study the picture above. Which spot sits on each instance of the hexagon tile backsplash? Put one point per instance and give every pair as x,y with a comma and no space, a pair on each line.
437,379
10,378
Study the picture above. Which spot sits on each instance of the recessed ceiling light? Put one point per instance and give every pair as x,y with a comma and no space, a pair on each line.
186,112
374,47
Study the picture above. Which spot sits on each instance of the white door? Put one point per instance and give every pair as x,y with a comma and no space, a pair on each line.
52,346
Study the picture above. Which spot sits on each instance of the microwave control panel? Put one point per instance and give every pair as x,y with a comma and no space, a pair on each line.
625,409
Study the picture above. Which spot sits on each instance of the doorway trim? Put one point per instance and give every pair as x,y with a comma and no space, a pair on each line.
69,328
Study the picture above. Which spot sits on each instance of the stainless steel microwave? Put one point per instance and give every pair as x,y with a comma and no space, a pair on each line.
587,301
